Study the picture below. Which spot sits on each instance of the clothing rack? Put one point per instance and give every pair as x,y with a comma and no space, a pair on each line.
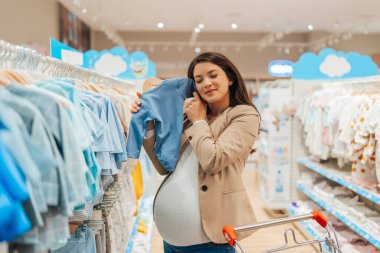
364,83
18,57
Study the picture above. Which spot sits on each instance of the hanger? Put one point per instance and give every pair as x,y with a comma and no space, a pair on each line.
118,90
92,87
3,80
19,58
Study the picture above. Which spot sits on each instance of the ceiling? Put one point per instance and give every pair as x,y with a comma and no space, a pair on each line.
218,15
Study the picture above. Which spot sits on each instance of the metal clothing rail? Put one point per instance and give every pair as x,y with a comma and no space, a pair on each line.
18,57
363,82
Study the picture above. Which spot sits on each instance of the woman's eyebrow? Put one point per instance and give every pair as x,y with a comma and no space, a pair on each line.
207,73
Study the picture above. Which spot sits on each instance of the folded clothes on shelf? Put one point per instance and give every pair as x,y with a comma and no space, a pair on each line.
373,186
349,240
341,191
310,178
361,212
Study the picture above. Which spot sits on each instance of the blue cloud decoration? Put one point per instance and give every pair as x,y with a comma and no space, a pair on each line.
119,63
330,64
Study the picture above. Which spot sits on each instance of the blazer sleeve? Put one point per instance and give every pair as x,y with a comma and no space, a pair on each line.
214,154
148,145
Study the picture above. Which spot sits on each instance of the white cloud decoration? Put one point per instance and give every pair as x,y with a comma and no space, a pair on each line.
334,66
111,65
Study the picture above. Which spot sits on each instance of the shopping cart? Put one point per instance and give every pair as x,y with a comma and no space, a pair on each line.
331,244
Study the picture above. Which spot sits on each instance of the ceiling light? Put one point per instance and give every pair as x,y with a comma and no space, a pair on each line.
234,26
197,29
76,2
84,11
287,51
197,50
160,25
310,27
201,26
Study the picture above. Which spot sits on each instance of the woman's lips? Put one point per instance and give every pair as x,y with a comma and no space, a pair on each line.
210,92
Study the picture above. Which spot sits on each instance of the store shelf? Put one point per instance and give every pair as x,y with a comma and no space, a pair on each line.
144,205
346,220
309,229
338,177
131,239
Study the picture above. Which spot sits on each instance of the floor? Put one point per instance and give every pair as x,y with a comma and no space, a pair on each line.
263,239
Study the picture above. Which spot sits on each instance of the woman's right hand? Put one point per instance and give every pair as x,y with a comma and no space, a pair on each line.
136,104
136,107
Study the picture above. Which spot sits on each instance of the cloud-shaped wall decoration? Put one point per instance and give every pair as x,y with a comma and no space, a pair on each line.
334,66
119,63
110,65
330,64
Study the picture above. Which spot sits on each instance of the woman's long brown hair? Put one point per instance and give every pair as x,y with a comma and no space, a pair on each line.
238,90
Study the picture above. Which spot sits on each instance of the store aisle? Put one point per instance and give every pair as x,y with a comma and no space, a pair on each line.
261,240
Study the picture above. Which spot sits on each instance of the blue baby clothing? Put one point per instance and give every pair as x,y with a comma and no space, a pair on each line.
64,133
164,105
13,190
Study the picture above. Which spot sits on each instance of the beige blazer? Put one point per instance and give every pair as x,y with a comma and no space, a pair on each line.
222,148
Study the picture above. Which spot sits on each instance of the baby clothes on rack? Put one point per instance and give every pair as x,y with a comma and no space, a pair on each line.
51,135
349,124
13,191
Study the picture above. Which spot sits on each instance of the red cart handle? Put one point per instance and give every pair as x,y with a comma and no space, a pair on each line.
229,234
320,218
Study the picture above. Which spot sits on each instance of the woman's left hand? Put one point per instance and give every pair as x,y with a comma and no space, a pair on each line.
195,109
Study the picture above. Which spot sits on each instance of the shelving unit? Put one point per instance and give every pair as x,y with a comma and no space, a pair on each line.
373,239
309,229
129,248
331,172
337,176
144,207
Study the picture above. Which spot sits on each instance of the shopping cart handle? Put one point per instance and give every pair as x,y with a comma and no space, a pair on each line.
229,234
320,218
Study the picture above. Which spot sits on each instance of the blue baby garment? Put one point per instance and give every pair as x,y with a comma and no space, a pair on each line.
164,105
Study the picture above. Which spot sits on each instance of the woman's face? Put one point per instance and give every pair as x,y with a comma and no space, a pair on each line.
212,83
